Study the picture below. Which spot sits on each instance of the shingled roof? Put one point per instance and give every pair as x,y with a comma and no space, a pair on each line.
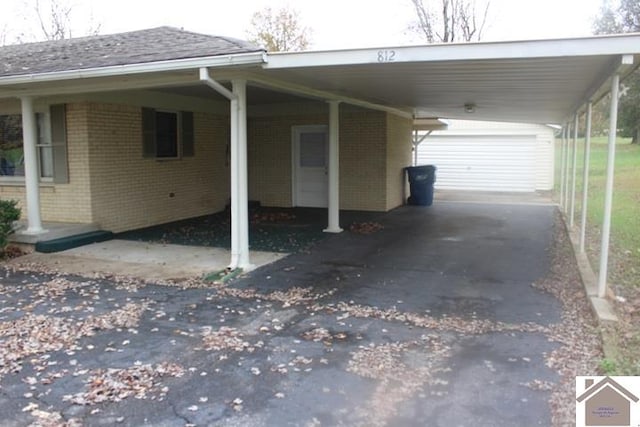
136,47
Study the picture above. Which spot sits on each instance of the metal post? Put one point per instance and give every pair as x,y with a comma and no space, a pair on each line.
31,175
585,176
608,195
566,170
415,147
574,171
562,156
240,90
334,168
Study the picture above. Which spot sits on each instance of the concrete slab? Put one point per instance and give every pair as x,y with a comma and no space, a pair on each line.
144,260
494,197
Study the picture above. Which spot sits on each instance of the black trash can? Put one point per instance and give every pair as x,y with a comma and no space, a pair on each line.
421,179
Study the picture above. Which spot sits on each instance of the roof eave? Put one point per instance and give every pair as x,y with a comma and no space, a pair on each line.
222,61
512,50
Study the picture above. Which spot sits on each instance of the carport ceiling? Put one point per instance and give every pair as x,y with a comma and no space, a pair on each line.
534,81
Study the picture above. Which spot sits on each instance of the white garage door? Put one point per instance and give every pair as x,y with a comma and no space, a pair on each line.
481,163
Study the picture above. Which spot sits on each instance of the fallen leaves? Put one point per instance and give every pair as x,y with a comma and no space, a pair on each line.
261,217
225,338
365,227
580,348
36,334
397,378
115,385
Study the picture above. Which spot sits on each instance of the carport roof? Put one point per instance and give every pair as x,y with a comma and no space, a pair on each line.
543,81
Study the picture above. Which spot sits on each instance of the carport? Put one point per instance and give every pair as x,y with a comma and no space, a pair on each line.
546,82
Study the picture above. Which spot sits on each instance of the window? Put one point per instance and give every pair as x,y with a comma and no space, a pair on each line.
11,146
167,134
51,146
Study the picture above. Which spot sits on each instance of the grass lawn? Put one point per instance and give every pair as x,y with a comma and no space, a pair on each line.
625,219
624,255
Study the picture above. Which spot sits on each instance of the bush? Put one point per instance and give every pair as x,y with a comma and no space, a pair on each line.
9,213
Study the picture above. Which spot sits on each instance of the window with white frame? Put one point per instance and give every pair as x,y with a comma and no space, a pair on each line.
51,146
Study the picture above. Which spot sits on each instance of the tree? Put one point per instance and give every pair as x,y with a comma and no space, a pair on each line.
448,21
279,31
624,17
52,20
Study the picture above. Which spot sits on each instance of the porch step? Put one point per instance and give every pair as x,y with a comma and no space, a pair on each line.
70,242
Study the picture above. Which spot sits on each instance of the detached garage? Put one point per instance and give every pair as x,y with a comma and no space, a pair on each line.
490,156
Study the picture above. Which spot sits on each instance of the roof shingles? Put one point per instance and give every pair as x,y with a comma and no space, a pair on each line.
136,47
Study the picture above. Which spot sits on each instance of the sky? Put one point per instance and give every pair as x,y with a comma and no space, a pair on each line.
335,24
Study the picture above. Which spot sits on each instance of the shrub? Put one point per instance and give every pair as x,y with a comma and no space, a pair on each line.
9,213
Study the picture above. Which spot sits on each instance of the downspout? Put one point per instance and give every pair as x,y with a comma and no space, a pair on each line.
235,226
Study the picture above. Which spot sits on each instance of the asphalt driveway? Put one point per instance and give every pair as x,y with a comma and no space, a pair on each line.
441,316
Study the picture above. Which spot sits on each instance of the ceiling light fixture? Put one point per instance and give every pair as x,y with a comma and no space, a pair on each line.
470,107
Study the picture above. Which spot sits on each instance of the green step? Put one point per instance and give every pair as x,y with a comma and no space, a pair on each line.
70,242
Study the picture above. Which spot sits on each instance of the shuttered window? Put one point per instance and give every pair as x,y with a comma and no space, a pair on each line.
51,145
167,134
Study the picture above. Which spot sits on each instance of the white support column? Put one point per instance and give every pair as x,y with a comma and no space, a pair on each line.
415,147
235,218
608,195
574,172
562,157
565,201
240,90
31,174
585,176
334,168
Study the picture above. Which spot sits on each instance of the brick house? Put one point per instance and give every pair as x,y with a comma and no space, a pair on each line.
136,129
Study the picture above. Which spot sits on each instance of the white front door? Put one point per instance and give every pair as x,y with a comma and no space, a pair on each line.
310,158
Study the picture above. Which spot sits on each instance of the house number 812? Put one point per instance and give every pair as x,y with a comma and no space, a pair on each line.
386,55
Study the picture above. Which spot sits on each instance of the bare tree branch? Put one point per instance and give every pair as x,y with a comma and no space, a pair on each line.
56,24
455,20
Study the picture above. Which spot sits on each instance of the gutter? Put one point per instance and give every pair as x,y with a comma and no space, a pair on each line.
242,59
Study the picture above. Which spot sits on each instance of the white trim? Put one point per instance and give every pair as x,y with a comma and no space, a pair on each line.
325,95
587,46
149,67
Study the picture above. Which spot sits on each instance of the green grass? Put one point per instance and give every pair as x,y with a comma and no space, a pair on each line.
625,218
624,254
